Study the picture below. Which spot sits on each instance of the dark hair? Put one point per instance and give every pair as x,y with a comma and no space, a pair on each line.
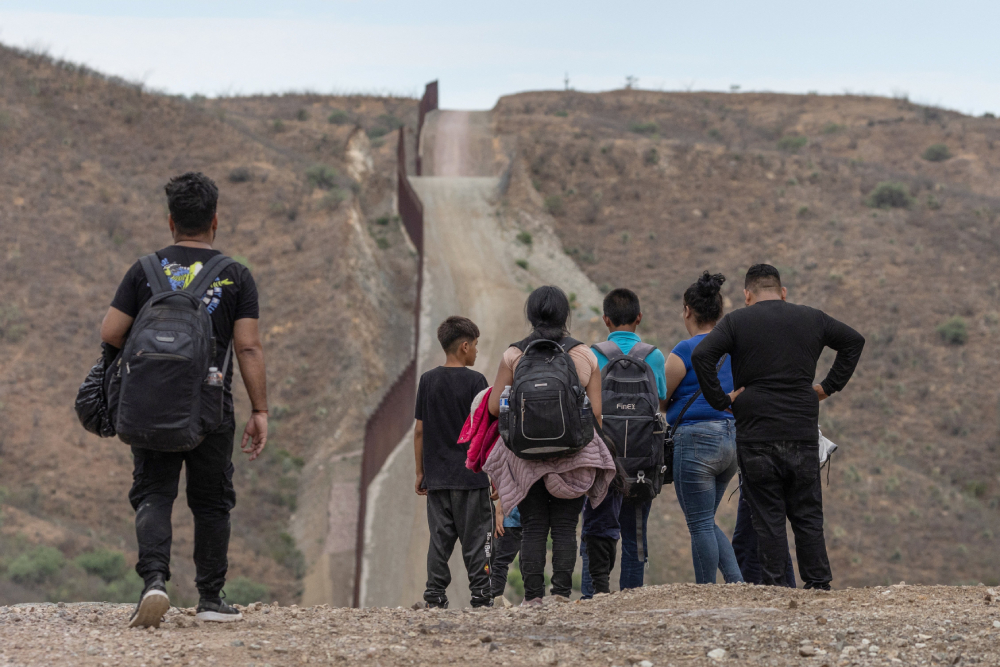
621,306
192,198
454,330
547,309
762,277
704,299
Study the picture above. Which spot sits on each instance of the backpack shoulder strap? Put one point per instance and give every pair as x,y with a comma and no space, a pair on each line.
567,343
157,280
609,349
641,350
209,272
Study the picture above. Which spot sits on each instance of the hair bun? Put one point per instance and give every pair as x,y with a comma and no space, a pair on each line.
710,284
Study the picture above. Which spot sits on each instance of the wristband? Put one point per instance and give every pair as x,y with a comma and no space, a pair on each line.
264,412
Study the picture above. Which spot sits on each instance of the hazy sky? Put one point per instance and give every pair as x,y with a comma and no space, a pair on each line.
937,53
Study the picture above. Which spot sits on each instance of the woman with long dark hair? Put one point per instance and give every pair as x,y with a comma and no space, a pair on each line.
549,494
705,439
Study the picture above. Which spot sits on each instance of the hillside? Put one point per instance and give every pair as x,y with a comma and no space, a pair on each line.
648,189
307,201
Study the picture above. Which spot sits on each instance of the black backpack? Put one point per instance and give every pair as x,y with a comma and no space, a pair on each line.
546,402
157,394
631,417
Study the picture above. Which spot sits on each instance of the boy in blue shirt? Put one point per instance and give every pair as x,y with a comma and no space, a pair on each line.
622,315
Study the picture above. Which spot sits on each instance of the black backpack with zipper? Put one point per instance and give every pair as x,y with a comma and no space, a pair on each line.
545,419
630,408
158,394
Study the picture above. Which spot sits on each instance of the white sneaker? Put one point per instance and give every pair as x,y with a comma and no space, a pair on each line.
153,604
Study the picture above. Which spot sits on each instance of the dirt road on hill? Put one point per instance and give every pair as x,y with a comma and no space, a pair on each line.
678,624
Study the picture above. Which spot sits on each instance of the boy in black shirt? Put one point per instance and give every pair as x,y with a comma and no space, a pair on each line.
458,500
231,301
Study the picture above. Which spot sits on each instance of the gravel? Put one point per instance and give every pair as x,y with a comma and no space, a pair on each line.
678,624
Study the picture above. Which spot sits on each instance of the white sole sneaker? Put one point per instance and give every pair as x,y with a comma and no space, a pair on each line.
152,607
216,617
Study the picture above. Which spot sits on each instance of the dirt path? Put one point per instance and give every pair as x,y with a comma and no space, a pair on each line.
679,624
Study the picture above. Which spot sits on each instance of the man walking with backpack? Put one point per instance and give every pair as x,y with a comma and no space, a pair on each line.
178,316
633,392
774,347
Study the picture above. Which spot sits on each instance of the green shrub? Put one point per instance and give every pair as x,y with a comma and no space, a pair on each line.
244,261
561,114
321,176
648,127
126,589
525,238
338,117
36,566
933,203
278,126
792,143
245,591
240,175
936,153
377,131
890,194
803,212
714,133
383,220
523,263
832,128
954,331
302,115
389,121
554,205
104,563
651,157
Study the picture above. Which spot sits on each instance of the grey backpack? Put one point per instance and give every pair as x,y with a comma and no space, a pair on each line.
158,395
631,411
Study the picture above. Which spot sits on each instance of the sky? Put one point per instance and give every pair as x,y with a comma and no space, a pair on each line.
942,54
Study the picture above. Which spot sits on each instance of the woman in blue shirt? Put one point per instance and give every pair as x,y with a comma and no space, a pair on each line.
705,440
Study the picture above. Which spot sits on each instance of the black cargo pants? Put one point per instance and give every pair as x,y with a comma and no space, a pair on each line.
781,479
466,516
210,495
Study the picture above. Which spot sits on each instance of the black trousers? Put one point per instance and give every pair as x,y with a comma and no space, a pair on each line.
210,495
505,549
467,516
601,552
745,547
781,479
541,512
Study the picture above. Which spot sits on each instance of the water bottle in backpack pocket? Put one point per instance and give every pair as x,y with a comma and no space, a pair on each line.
631,419
162,395
547,417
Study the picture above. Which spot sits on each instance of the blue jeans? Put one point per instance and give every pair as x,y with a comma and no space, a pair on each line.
633,567
704,462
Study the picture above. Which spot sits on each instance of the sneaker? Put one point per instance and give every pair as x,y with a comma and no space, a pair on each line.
217,611
153,604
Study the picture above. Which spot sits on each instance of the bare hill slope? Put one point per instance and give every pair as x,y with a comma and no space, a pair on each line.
648,189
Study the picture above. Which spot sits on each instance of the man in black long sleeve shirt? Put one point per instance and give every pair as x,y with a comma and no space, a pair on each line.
774,347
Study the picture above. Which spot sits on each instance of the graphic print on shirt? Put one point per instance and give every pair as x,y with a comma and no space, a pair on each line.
181,276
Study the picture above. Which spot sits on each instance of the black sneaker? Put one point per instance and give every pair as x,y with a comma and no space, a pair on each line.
216,611
153,604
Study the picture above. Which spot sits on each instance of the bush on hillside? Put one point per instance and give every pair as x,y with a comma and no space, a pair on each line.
36,566
525,238
936,153
321,176
104,563
338,117
245,591
648,127
377,131
126,589
792,143
240,175
302,115
890,194
954,331
554,205
651,157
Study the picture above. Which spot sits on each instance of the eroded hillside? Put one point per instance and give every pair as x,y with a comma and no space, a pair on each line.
648,189
307,201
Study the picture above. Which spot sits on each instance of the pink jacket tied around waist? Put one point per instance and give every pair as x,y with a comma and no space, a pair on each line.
480,432
588,472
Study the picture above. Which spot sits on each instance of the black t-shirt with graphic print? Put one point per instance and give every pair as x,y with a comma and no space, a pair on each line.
232,296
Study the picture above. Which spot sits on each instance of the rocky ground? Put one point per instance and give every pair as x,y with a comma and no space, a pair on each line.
678,624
